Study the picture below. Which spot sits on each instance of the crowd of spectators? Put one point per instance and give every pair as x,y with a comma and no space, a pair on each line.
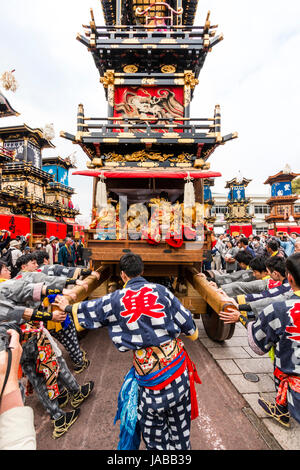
225,249
68,252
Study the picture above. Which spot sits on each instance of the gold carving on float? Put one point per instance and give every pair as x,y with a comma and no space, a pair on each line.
97,161
189,79
183,157
138,156
200,163
208,152
108,78
168,69
112,158
130,68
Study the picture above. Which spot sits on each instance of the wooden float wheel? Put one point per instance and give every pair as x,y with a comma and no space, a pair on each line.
214,327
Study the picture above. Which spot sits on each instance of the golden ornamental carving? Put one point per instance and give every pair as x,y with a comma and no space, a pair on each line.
139,156
108,78
182,158
189,79
130,68
200,163
97,161
144,156
168,69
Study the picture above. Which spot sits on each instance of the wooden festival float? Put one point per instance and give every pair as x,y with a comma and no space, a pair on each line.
148,156
238,217
283,217
32,199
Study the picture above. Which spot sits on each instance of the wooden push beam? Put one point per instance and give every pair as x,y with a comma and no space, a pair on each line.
92,282
209,293
216,302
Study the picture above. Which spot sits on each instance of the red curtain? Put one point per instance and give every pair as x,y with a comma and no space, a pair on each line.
18,225
241,229
56,230
288,230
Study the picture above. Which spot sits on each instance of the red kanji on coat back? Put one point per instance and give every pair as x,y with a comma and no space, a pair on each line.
141,302
294,330
272,283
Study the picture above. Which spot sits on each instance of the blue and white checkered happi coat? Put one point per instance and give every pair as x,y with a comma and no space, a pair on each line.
140,315
273,292
279,325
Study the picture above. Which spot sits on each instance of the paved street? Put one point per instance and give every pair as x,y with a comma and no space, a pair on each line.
236,359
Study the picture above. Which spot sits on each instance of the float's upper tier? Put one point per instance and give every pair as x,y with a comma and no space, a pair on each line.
125,11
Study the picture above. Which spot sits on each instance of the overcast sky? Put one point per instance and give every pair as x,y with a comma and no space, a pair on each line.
253,74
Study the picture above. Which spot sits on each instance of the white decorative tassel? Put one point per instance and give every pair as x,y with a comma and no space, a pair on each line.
72,158
48,132
189,192
101,197
8,81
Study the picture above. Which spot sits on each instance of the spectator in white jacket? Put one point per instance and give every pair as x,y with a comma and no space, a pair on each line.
15,251
48,248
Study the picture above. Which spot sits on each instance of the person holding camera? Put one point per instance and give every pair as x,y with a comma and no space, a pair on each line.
17,430
42,361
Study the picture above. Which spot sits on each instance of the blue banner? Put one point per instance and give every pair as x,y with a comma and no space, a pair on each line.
62,176
207,193
283,188
52,170
236,193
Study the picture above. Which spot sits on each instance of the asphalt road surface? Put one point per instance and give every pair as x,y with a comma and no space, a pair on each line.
222,424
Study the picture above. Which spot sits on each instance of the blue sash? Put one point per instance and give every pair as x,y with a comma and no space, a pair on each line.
156,378
129,438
